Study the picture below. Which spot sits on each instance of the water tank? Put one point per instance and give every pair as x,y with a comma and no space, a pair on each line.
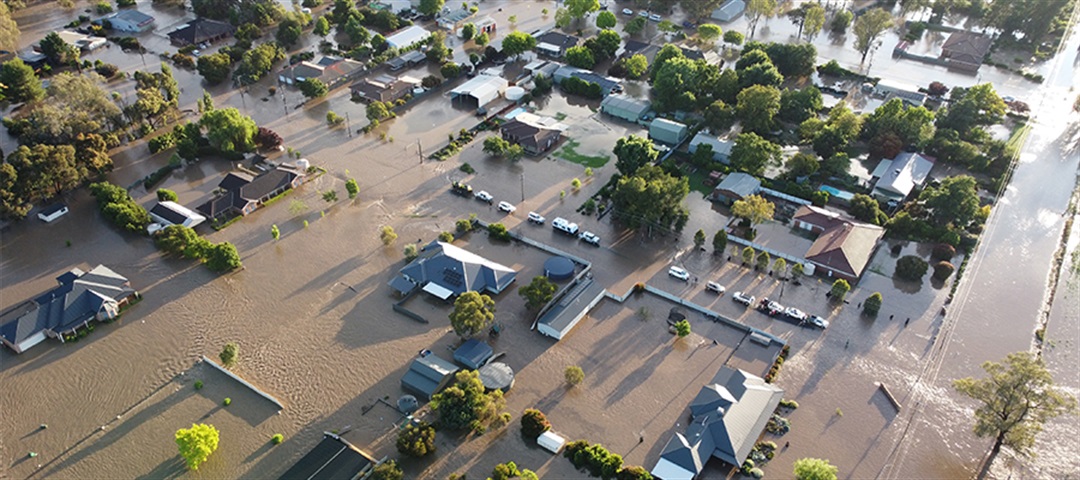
515,93
303,164
808,268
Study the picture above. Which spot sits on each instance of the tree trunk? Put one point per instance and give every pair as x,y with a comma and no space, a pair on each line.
985,470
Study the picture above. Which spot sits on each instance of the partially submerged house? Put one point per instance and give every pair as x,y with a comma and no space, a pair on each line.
473,354
667,131
966,50
445,271
428,374
625,107
332,459
555,44
727,417
536,134
570,308
895,179
384,88
242,193
607,85
131,20
909,94
721,149
329,70
167,213
81,41
406,60
843,247
736,186
199,31
479,91
80,297
407,37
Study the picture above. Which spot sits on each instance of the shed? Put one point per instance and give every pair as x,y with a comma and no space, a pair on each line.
332,458
729,11
53,212
408,59
428,375
667,131
551,441
131,21
625,107
171,213
479,91
570,309
497,376
736,186
473,354
909,94
407,37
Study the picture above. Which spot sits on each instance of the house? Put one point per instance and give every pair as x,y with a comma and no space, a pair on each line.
843,247
34,59
909,94
727,417
895,179
729,11
721,148
329,70
473,354
534,133
53,212
625,107
966,50
486,25
427,375
199,31
454,18
384,88
479,91
165,214
444,270
631,47
405,60
607,85
555,44
569,309
81,41
667,131
332,459
79,298
407,37
736,186
243,193
131,21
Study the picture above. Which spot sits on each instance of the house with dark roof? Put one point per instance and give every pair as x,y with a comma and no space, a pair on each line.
966,50
131,20
167,213
726,419
407,59
241,193
427,375
555,44
445,271
201,30
532,132
80,297
329,70
736,186
843,247
383,88
332,459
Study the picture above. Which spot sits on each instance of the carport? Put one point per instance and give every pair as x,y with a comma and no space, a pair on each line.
439,291
479,91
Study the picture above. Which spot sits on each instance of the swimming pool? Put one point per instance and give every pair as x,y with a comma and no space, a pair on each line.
837,193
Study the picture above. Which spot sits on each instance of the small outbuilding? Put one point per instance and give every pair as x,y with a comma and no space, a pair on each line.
736,186
479,91
131,21
667,131
168,213
625,107
428,375
729,11
332,459
570,309
53,212
473,354
551,441
407,36
721,149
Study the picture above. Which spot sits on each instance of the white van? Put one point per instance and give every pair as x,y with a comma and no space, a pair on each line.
565,226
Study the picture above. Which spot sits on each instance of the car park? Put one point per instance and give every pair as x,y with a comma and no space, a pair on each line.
796,314
507,207
715,287
484,196
655,17
565,226
743,298
818,322
536,218
590,238
679,273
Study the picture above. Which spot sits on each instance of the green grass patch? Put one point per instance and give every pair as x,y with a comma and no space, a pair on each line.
697,180
570,154
560,116
1016,140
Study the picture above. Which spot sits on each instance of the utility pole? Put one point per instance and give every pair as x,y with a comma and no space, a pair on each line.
419,152
283,104
522,187
348,124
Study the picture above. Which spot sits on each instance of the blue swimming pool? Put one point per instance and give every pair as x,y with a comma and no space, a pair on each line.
837,193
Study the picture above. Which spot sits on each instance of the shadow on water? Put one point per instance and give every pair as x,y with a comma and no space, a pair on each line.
171,468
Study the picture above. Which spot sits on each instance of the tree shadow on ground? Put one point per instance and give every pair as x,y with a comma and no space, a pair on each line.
172,468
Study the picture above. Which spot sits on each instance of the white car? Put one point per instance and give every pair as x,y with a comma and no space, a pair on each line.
536,218
627,11
655,17
507,207
796,314
484,196
589,237
818,322
743,298
679,273
715,287
643,14
565,226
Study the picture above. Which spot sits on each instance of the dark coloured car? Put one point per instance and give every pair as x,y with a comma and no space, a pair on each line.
459,188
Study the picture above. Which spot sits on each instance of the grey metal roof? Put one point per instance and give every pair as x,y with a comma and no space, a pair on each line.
572,306
458,270
427,375
332,459
473,353
739,183
626,103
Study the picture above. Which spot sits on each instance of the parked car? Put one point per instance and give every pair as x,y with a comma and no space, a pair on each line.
536,218
796,314
655,17
770,307
484,196
462,189
627,11
679,273
818,322
643,14
565,226
743,298
687,24
507,207
715,287
590,238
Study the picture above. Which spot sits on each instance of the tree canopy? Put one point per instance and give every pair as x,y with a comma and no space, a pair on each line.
651,198
632,153
19,83
214,67
229,130
754,208
868,27
752,154
756,107
416,440
517,42
606,19
758,9
814,469
579,8
464,402
955,201
709,33
538,292
796,106
9,30
197,443
580,57
473,313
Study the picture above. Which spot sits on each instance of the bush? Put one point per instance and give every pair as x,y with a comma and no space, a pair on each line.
103,7
911,268
198,384
446,237
463,225
534,423
387,235
416,440
352,188
498,231
106,70
942,270
267,138
120,208
872,305
792,404
166,195
574,375
411,252
333,118
226,402
162,142
840,289
277,439
387,471
943,251
229,353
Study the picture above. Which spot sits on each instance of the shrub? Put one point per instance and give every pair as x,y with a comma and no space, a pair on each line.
911,268
352,188
277,439
162,142
386,233
942,270
534,423
463,225
229,354
411,252
416,440
226,402
682,328
333,118
446,237
198,384
387,471
872,305
166,195
267,138
498,231
103,7
792,404
840,289
943,251
574,375
106,70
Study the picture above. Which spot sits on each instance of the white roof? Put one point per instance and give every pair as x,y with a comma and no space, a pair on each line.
481,86
719,147
904,173
407,36
667,470
729,10
551,441
540,121
438,290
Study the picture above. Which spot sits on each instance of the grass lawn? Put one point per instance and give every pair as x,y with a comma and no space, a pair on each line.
569,154
697,180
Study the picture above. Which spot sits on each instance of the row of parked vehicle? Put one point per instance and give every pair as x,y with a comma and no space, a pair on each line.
769,307
559,224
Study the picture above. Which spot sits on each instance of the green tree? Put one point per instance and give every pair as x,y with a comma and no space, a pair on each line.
229,354
387,235
763,260
802,165
798,105
322,27
57,51
752,154
538,292
505,471
468,31
632,153
719,242
682,328
634,26
796,271
636,66
604,44
809,17
699,238
840,289
180,240
464,402
866,208
814,469
971,108
18,83
719,116
911,267
481,40
868,27
676,83
473,313
756,107
534,423
606,19
758,9
358,35
215,67
166,195
496,146
228,130
955,201
197,443
580,57
275,232
416,440
748,255
378,111
1015,400
46,170
387,470
733,37
431,7
573,375
437,51
352,187
222,257
872,305
517,42
290,29
9,29
841,21
709,33
257,62
312,87
579,8
651,198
